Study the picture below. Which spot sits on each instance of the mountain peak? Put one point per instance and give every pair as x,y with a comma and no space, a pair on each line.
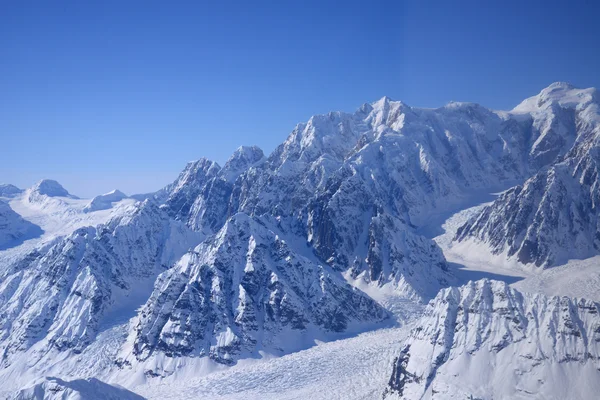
560,85
564,94
382,102
243,158
195,169
201,163
250,153
557,90
8,190
105,201
50,188
115,192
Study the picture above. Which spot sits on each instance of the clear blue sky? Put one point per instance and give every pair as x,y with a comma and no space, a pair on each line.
121,94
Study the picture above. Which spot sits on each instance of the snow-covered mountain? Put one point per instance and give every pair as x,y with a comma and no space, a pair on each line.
268,255
337,177
48,187
485,340
554,215
243,291
59,295
104,201
8,190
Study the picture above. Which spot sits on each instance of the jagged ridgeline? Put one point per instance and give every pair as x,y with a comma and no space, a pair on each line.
553,216
486,340
265,255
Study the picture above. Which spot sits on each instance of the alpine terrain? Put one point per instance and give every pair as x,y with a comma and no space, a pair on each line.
387,243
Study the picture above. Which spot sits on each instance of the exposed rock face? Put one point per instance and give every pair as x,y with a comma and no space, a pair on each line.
340,178
553,216
244,290
487,340
240,161
59,294
183,192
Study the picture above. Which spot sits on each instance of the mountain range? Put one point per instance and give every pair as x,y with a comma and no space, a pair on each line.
322,239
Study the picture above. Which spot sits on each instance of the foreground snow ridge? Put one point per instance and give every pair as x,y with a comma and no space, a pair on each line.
486,340
80,389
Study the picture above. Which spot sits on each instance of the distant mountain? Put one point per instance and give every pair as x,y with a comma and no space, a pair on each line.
50,188
104,201
485,340
554,216
8,190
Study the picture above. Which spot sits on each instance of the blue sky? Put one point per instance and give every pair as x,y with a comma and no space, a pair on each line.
121,94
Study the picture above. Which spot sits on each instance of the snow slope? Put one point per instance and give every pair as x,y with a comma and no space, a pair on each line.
105,201
14,230
56,216
354,368
486,340
81,389
474,261
59,296
553,217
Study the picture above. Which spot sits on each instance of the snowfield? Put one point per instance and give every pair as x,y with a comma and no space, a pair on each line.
473,261
355,368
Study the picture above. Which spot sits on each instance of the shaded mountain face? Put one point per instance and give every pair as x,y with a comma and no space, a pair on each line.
7,190
241,291
13,228
553,216
487,340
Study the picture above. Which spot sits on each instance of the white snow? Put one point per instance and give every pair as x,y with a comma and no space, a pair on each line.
56,216
366,192
105,201
355,368
81,389
485,340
